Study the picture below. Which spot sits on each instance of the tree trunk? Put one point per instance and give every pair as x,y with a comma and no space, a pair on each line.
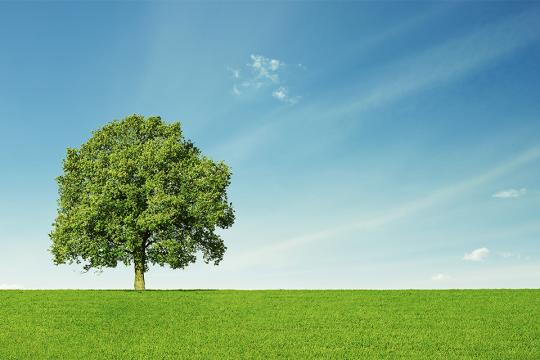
139,275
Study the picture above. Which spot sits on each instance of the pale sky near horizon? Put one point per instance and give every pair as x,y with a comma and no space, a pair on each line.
373,144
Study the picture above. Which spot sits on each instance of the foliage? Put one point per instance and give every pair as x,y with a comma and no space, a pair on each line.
138,192
469,324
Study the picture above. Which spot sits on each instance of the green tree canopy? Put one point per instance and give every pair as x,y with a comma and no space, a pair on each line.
138,193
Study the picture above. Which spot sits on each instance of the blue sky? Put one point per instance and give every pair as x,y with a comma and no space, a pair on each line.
373,145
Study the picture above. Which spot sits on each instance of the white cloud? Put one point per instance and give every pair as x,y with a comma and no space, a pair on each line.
477,255
271,251
440,277
282,94
507,276
234,72
265,68
265,72
275,64
10,286
510,193
441,64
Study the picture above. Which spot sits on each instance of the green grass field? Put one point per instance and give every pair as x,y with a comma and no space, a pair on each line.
474,324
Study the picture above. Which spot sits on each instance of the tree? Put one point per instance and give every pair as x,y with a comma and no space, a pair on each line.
138,193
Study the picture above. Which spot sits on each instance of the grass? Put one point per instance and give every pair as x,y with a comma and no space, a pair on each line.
452,324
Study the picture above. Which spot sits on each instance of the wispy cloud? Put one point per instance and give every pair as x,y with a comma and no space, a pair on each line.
477,254
264,72
450,61
440,277
266,252
235,73
441,64
510,193
236,91
512,255
506,254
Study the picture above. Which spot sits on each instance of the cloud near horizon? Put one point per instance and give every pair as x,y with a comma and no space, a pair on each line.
477,255
440,277
265,253
10,287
